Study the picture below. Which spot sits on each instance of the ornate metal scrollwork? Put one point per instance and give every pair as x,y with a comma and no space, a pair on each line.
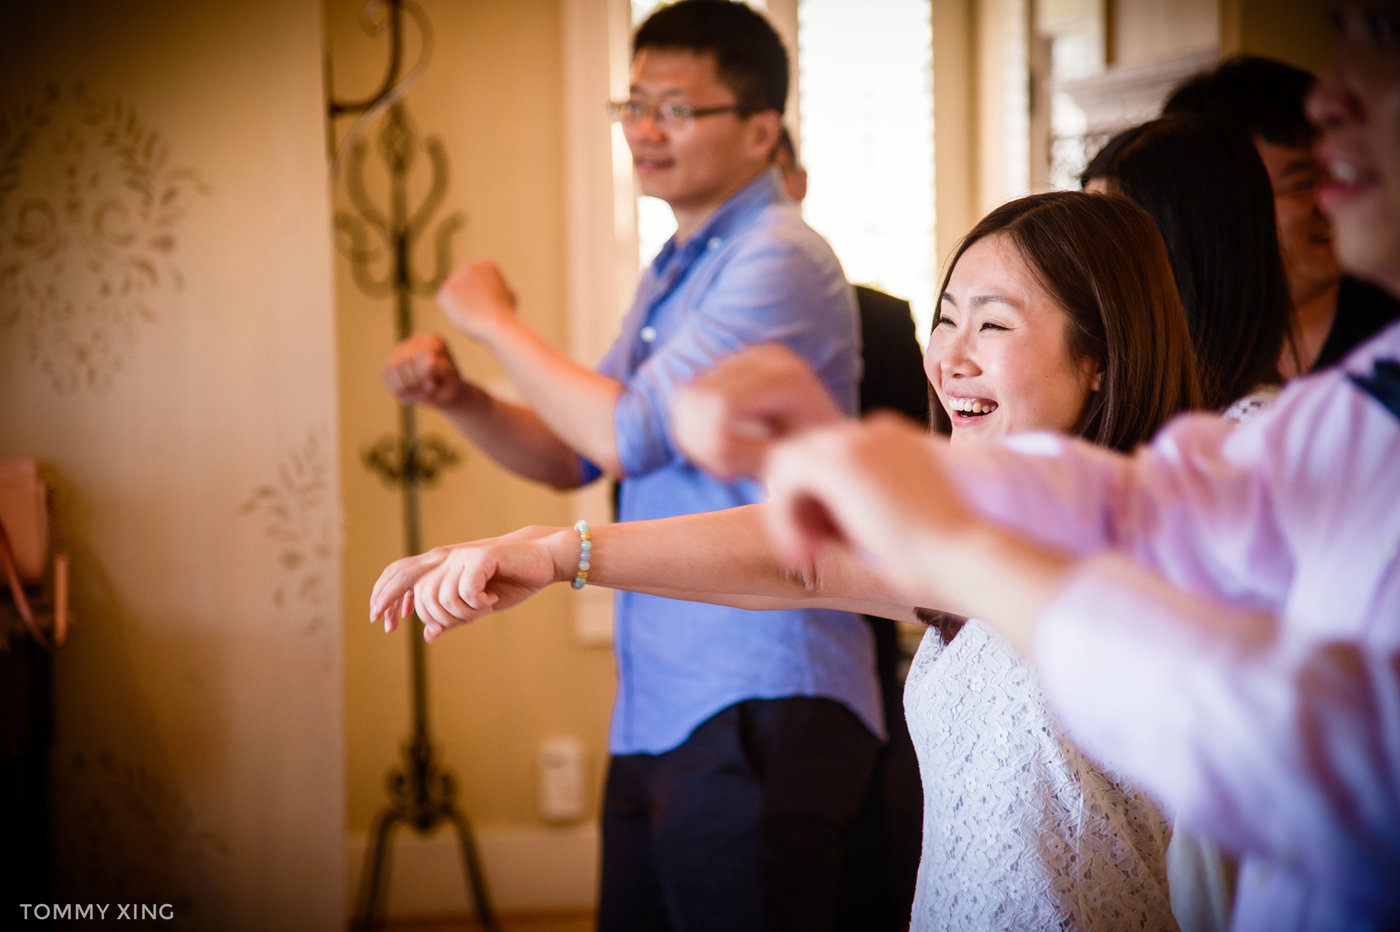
398,462
379,18
379,242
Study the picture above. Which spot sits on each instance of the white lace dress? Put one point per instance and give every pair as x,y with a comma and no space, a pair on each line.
1021,832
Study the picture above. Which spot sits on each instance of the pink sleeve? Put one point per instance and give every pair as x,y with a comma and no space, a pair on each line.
1231,722
1232,639
1191,505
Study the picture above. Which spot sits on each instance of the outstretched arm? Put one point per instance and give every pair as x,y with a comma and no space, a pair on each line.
458,583
725,557
575,403
722,557
877,492
421,370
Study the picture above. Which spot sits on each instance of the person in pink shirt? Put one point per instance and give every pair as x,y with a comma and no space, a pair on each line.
1217,614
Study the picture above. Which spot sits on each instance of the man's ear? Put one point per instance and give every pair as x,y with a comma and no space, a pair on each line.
765,127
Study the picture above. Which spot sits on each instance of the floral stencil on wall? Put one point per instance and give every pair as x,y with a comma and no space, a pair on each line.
89,209
299,518
123,834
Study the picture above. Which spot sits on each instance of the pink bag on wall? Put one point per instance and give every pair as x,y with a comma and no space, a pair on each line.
24,546
24,512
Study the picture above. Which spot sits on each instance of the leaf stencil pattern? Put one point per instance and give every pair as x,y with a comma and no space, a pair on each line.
89,208
298,517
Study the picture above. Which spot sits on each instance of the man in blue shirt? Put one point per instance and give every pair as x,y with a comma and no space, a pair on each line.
742,742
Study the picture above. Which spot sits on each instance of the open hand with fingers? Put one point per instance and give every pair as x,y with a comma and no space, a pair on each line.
458,583
726,419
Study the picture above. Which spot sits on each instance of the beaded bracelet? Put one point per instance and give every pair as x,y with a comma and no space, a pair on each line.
585,552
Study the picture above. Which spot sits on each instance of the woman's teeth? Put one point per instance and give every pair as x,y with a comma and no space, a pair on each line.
972,406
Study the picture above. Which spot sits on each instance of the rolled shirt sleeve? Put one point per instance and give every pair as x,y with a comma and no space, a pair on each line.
762,297
773,281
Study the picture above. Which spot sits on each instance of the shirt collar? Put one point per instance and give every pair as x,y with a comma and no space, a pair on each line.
734,213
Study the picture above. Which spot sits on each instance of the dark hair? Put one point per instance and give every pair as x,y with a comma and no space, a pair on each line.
1259,96
1103,261
749,56
1206,188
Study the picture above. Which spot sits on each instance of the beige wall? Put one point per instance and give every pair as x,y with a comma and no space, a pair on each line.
167,351
1144,31
1295,31
1003,154
493,94
955,115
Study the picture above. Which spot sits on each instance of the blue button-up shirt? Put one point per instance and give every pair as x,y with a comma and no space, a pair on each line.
754,273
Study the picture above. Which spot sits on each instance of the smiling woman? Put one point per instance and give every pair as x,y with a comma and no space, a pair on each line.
999,357
1039,328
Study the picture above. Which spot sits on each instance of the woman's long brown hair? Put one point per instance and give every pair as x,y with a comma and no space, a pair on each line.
1102,260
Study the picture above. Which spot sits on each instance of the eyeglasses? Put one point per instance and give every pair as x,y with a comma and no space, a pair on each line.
670,116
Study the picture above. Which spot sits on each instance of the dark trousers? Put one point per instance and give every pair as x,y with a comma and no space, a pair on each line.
742,827
882,859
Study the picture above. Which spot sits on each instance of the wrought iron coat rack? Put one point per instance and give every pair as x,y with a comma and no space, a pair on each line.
422,795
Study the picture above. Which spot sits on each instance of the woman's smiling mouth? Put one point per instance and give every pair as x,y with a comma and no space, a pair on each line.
971,407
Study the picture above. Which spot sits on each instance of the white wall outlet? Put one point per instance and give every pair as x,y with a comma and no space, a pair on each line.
562,780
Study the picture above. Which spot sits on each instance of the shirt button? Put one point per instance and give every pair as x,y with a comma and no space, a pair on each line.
648,334
714,243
